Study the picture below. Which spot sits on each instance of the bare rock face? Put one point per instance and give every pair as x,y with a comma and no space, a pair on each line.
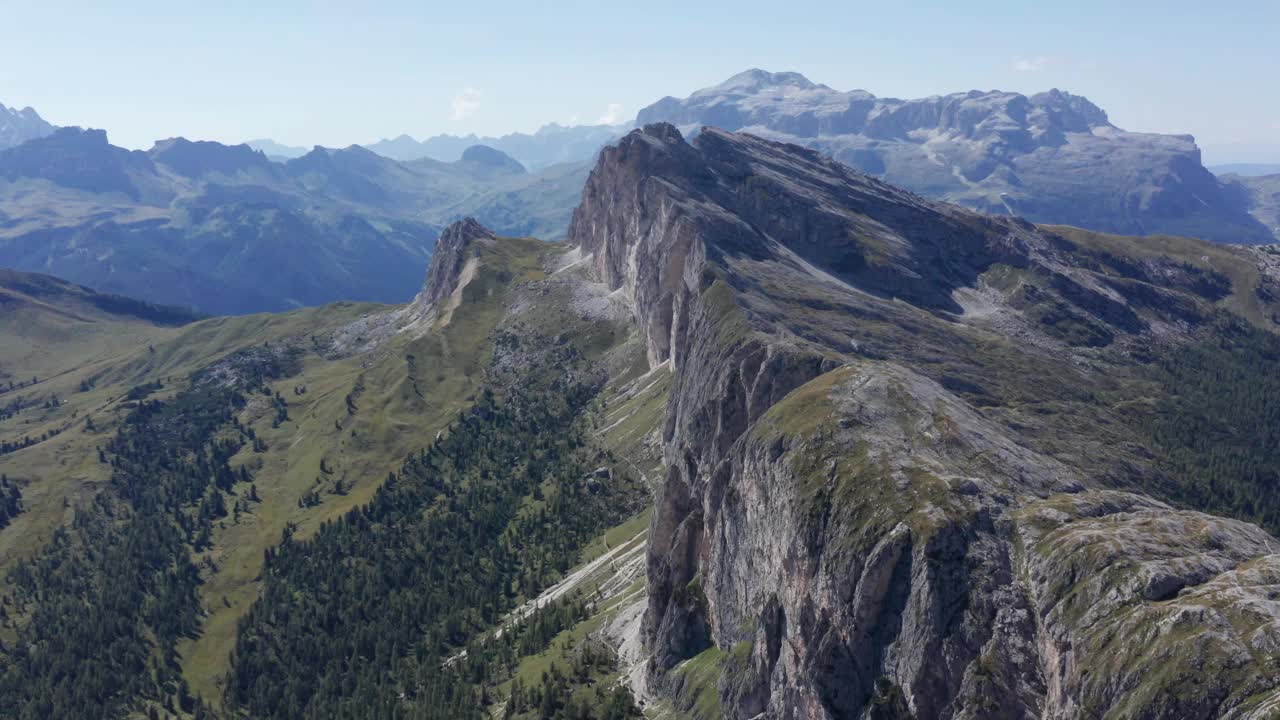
450,256
887,495
454,263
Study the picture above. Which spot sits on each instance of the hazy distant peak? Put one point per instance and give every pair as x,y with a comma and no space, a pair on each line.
19,126
485,156
275,149
1053,157
1077,106
551,144
196,158
755,79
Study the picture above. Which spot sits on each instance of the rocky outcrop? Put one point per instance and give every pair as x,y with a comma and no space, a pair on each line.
1052,157
450,256
454,264
886,495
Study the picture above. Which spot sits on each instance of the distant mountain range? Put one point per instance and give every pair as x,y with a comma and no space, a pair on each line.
265,226
1246,169
550,145
1053,157
19,126
224,230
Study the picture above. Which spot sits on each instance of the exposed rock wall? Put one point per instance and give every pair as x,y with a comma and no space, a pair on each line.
449,257
849,537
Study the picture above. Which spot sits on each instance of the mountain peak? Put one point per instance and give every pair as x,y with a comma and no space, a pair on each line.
449,259
78,158
756,79
492,158
998,152
1081,112
200,157
18,126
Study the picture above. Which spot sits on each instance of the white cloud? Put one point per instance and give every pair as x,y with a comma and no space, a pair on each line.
612,115
1034,64
466,103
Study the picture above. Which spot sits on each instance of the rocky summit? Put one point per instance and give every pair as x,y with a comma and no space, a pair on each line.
18,126
1051,157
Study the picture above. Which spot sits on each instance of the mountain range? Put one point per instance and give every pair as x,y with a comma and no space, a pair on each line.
207,225
763,437
224,230
552,144
1052,157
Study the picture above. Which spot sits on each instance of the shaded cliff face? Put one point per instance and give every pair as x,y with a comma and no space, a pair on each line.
905,472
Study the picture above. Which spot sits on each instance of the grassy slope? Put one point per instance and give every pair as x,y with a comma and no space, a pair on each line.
632,412
1226,259
402,394
397,407
116,355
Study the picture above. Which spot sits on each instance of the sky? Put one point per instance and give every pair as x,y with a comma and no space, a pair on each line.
337,73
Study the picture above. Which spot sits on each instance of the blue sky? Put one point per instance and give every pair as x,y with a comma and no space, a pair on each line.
335,73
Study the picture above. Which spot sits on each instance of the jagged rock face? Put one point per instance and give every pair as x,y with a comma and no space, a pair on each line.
1052,157
18,126
199,158
452,251
849,534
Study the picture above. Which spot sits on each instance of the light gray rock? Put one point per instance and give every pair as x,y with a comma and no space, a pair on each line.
842,531
18,126
1052,157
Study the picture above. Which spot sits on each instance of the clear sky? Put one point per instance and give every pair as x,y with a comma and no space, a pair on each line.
336,73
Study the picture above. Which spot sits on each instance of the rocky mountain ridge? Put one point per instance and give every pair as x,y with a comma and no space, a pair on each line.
910,460
226,230
550,145
1052,157
18,126
861,517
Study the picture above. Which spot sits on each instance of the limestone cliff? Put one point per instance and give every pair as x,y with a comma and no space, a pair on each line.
893,488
